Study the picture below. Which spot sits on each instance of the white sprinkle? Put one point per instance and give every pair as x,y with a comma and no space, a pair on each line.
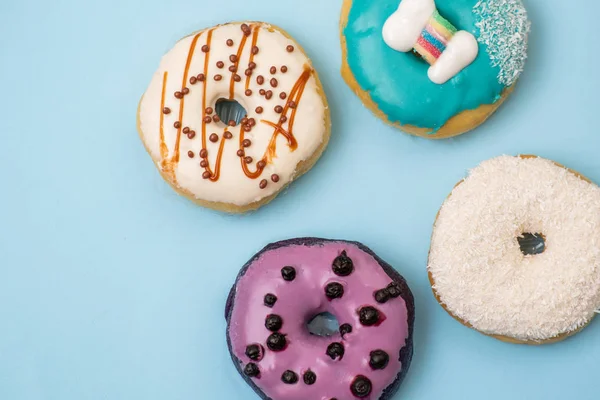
482,276
504,29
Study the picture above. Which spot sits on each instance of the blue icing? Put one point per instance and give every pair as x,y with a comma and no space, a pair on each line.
398,82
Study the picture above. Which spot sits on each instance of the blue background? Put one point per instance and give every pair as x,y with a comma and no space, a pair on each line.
112,287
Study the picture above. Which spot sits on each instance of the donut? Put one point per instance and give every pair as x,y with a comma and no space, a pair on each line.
288,283
243,162
433,68
488,272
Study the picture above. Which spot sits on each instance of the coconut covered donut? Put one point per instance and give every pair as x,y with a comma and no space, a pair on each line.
484,269
286,284
232,165
433,68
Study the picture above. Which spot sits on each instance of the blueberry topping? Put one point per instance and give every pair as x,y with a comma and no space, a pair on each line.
251,370
334,290
368,315
276,341
288,273
335,350
270,300
381,296
289,377
273,322
254,352
345,328
342,265
309,377
394,290
379,359
361,386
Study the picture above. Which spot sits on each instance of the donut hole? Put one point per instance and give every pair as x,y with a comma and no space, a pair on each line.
230,110
324,325
532,243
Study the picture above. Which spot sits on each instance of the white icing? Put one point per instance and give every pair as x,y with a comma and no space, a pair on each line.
475,260
233,186
461,51
403,28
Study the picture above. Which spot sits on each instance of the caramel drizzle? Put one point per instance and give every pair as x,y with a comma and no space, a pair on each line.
182,101
271,151
237,61
164,151
254,42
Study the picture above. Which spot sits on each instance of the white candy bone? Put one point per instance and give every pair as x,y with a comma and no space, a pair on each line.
403,28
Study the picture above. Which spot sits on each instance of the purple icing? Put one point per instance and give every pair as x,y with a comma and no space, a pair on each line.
300,300
303,298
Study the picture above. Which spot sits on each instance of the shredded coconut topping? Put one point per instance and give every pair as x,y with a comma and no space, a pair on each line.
479,271
504,28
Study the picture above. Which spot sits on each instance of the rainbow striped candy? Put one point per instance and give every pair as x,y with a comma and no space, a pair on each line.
434,37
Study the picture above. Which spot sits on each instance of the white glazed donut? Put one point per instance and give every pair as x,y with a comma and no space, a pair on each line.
223,166
481,276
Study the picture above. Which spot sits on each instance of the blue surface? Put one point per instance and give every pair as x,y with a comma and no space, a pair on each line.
398,82
112,287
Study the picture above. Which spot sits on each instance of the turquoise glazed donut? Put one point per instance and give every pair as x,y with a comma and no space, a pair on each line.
395,85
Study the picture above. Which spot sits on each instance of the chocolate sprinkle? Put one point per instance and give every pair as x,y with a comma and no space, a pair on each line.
292,104
204,163
251,65
275,178
246,142
334,290
251,370
268,95
213,137
193,80
178,95
185,90
262,92
166,110
177,124
220,64
368,316
309,377
282,95
232,68
273,70
263,184
201,77
270,300
248,72
254,352
361,386
273,322
283,119
335,351
284,69
203,153
394,290
207,119
276,342
290,48
261,164
342,265
248,160
274,82
206,175
255,50
288,273
218,77
186,130
227,135
248,92
229,42
216,118
233,58
237,78
378,359
260,79
278,109
191,135
289,377
259,110
240,153
205,48
209,110
190,154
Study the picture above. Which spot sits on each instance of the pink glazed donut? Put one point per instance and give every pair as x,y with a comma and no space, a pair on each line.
287,284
